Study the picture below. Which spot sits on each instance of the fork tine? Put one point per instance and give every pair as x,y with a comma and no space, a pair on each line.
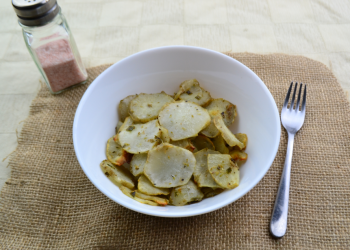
287,96
292,102
298,102
304,100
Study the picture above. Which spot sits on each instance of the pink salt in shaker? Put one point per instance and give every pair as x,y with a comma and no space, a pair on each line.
50,43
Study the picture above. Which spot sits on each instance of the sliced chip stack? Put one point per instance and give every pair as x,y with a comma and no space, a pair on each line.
180,148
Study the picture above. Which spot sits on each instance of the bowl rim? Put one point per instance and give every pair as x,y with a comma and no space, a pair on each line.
187,213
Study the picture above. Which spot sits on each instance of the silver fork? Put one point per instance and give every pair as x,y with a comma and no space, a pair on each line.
292,120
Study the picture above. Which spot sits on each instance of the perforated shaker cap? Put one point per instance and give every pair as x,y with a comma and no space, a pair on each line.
35,12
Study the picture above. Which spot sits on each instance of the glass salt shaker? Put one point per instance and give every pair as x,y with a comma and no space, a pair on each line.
50,43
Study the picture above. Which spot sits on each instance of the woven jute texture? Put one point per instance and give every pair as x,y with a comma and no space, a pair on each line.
50,204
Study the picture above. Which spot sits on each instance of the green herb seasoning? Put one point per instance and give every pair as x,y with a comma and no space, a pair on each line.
130,128
198,97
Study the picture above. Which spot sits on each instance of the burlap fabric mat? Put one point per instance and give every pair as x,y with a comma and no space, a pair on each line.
49,203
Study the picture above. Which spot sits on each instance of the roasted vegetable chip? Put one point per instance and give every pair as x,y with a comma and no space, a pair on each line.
185,86
146,107
182,195
223,170
202,142
210,131
126,191
242,138
147,202
223,108
138,138
201,174
220,144
206,190
185,143
192,92
238,155
146,187
164,135
158,200
183,119
226,133
213,193
169,166
137,196
127,123
124,107
137,163
118,127
117,174
115,153
197,95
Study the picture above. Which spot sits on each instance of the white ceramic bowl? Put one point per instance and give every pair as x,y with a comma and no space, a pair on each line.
163,69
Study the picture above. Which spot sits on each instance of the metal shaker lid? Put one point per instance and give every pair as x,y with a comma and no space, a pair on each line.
35,12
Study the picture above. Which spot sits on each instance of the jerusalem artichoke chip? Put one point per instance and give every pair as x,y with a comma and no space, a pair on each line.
201,172
126,191
127,122
137,163
184,86
124,107
137,196
164,136
146,187
226,133
197,95
119,124
185,143
115,153
238,155
192,92
209,192
183,119
223,170
138,138
117,174
147,202
210,131
146,107
242,138
202,142
219,107
169,166
158,200
220,144
224,108
182,195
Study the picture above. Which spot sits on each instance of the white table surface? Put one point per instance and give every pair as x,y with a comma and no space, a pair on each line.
108,30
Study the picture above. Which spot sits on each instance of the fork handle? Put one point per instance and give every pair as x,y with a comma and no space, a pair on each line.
278,225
